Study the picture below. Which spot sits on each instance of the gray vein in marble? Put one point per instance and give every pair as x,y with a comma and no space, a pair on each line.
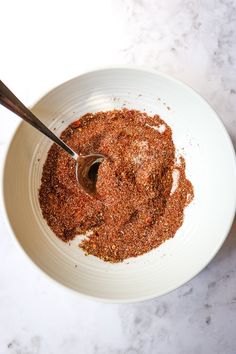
194,39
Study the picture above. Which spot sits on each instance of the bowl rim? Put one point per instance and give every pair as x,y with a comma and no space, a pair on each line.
2,181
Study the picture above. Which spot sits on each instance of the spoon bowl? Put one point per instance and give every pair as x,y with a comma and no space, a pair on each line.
86,171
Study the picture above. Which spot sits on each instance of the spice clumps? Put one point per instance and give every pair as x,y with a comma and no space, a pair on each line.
141,189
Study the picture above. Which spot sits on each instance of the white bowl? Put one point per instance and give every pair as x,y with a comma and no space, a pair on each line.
198,134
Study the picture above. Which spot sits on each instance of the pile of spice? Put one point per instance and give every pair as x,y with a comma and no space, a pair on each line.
141,189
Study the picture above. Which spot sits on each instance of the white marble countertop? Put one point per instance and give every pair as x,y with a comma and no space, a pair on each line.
47,42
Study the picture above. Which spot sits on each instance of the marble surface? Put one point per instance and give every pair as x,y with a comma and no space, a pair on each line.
48,42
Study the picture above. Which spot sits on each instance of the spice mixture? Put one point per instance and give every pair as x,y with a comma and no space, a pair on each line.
141,189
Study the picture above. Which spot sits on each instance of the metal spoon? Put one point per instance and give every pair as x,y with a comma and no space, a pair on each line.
86,165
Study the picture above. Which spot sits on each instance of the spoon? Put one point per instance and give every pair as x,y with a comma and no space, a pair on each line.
86,165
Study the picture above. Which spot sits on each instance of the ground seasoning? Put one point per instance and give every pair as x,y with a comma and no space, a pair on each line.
142,189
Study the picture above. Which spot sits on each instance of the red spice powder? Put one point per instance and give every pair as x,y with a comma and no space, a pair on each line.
138,205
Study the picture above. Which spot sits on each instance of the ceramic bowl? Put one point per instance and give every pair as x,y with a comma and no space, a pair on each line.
199,136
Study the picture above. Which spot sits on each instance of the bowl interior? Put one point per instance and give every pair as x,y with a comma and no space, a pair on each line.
199,136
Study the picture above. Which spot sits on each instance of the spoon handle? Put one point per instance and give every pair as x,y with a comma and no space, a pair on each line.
11,102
